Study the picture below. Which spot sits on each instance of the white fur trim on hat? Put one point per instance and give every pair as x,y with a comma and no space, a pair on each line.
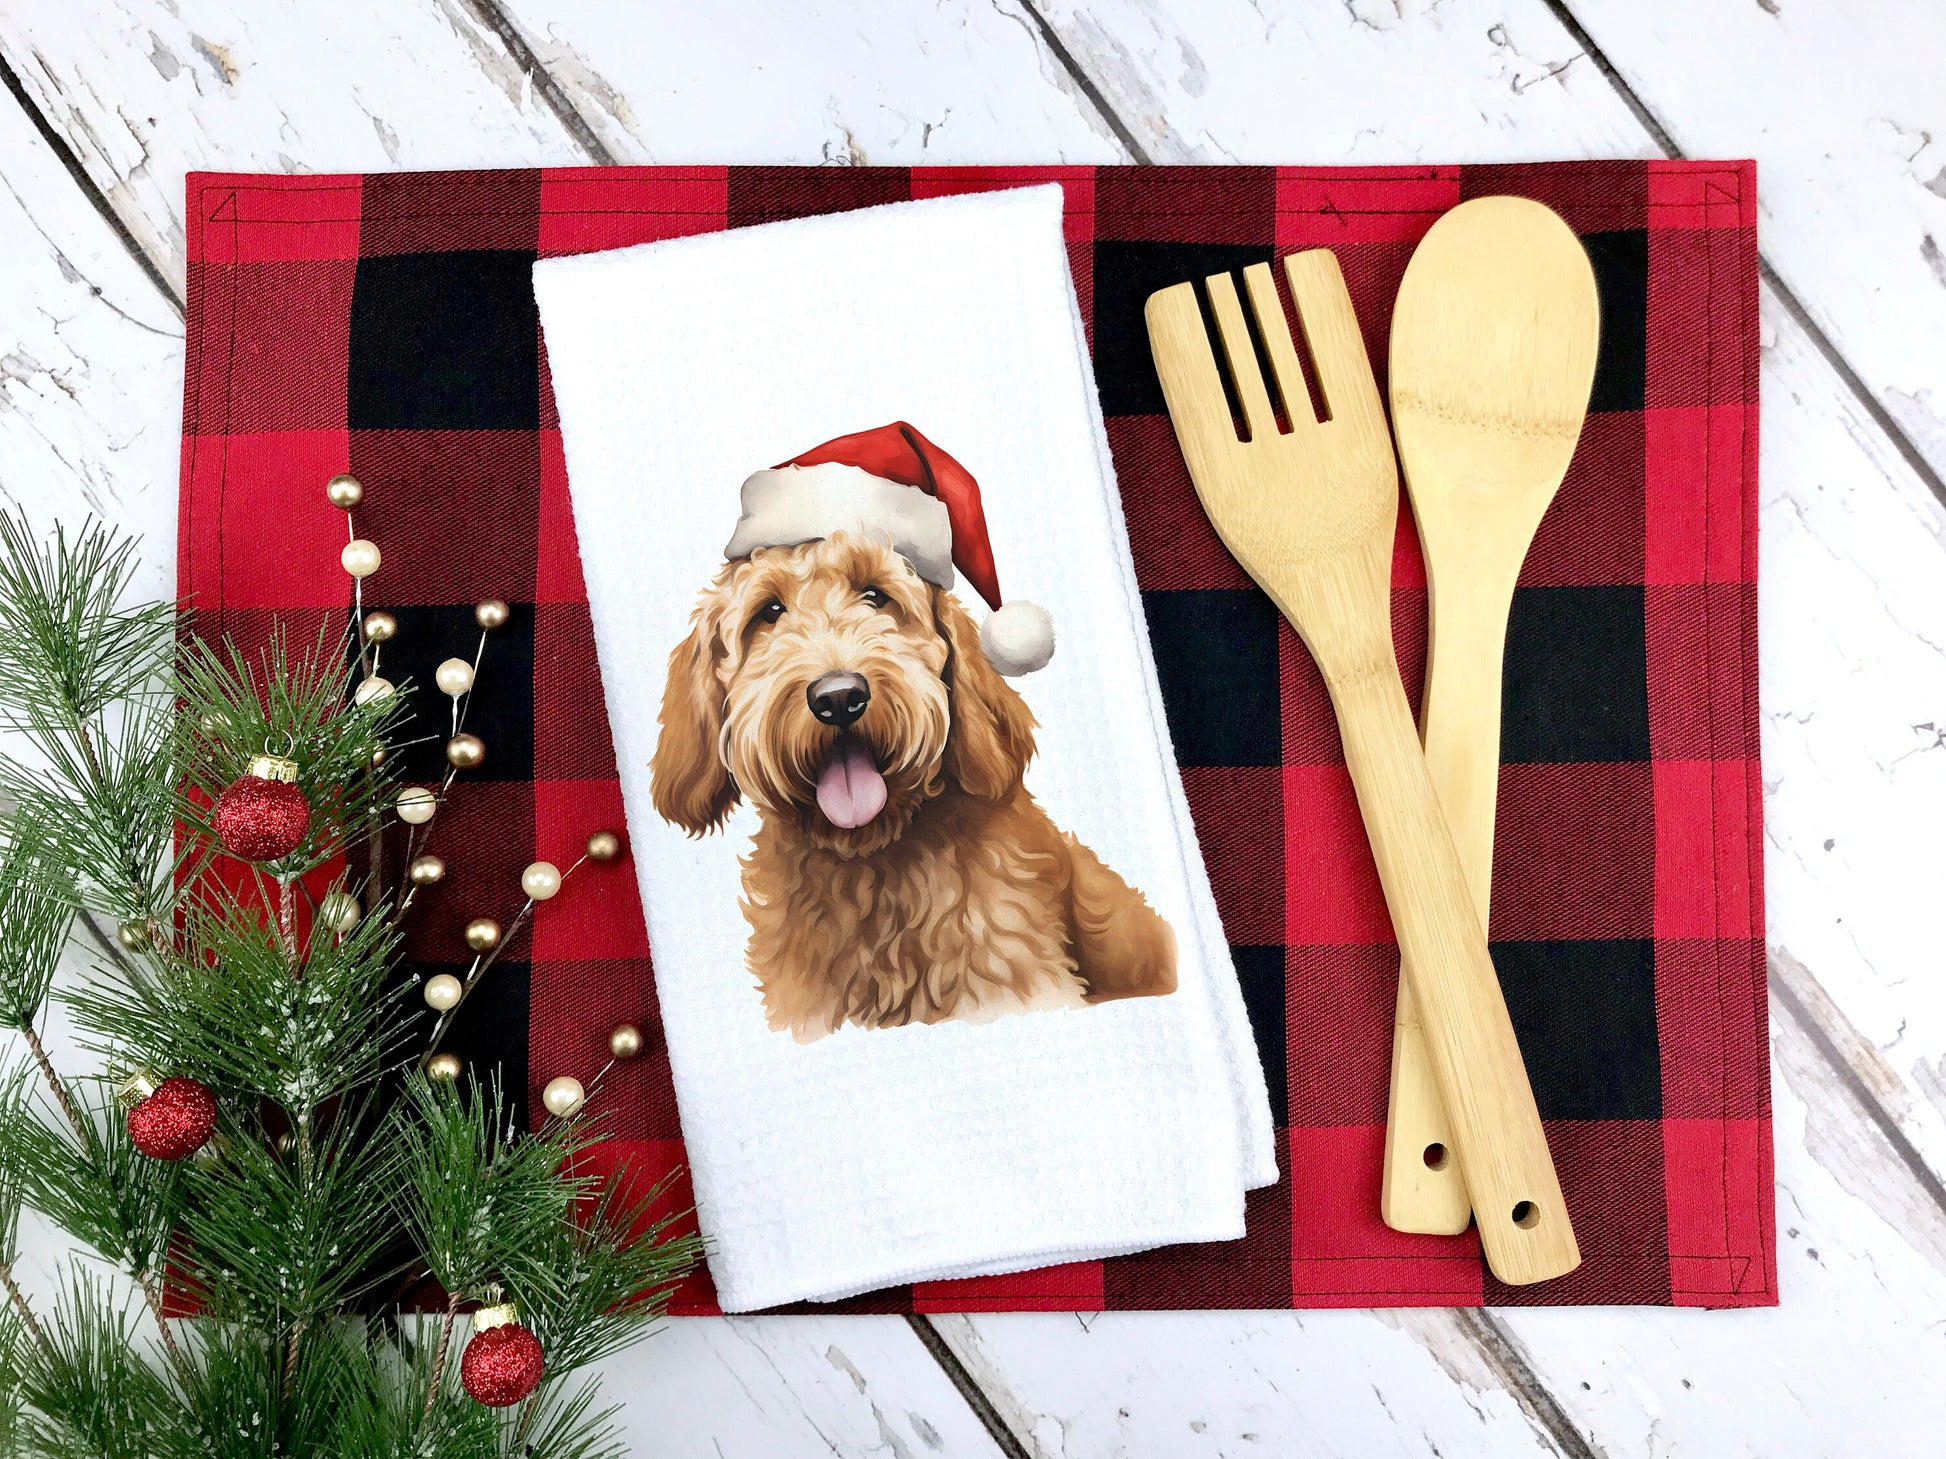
792,504
1018,637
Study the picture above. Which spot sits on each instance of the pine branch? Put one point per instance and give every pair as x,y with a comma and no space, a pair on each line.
333,1172
475,1196
66,642
18,1300
54,1081
439,1356
90,1179
294,706
36,913
87,1391
11,1109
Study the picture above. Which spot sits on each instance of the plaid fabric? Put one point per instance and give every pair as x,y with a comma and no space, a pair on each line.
386,325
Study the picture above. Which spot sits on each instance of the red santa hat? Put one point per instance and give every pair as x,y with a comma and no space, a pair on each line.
894,483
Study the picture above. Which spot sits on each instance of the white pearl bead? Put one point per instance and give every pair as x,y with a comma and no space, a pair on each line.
442,991
376,687
541,880
453,677
339,911
361,558
416,805
563,1096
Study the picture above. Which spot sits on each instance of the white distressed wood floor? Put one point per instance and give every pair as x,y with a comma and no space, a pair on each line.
111,101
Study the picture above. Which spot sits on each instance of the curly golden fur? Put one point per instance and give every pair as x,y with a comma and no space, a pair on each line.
960,899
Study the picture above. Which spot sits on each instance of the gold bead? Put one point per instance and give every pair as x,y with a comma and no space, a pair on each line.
491,614
454,677
360,557
339,911
442,991
371,690
541,880
483,934
378,756
465,752
285,1143
379,626
604,846
416,805
344,490
443,1067
625,1041
425,870
133,935
563,1096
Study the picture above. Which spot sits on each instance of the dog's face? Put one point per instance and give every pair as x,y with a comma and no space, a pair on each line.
832,685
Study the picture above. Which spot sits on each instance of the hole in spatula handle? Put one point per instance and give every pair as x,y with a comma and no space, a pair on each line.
1527,1215
1436,1156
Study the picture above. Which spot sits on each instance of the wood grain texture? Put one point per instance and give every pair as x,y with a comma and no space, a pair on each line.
1854,677
144,92
1842,108
1310,512
1492,357
854,82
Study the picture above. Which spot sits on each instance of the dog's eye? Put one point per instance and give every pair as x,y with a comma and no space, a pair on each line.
875,596
770,612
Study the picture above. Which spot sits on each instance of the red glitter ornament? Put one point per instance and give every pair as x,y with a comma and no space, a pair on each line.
263,816
503,1363
174,1121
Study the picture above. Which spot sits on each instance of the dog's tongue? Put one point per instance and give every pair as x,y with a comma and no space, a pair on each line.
850,789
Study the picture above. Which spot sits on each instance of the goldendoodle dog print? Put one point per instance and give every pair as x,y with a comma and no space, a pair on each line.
901,871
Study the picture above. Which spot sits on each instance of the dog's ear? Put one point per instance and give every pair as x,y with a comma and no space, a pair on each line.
688,781
992,734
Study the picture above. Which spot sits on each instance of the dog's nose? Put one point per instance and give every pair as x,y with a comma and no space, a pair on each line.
838,699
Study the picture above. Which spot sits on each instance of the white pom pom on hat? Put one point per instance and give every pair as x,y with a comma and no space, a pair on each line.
893,482
1018,637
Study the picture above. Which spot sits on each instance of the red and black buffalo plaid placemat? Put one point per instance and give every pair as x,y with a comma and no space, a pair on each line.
386,325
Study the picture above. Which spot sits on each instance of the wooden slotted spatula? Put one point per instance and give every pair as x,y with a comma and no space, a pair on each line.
1493,355
1311,515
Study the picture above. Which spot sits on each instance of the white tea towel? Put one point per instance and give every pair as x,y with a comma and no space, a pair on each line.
879,963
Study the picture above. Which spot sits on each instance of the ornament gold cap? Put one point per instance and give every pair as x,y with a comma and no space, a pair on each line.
137,1086
273,767
500,1314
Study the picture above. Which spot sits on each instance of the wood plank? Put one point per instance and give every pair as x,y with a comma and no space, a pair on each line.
90,356
144,91
90,391
1845,114
1284,1383
852,82
1367,81
764,1387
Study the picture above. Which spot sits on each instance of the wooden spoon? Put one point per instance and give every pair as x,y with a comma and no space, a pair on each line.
1493,355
